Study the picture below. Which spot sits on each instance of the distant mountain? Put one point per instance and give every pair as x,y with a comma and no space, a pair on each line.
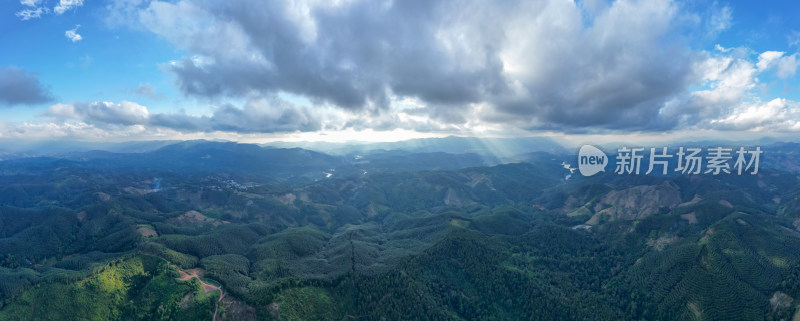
251,160
17,149
501,148
216,157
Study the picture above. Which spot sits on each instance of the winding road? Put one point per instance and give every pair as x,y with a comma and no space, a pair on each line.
186,276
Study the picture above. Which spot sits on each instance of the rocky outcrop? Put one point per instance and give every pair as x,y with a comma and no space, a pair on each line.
636,202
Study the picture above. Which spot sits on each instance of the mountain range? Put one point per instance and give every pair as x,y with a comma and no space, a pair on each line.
393,232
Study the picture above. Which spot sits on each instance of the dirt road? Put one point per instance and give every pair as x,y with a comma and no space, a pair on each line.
186,276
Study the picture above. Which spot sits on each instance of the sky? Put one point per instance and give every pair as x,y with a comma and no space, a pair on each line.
252,70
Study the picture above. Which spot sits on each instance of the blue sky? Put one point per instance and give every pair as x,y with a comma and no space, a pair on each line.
108,63
764,27
381,70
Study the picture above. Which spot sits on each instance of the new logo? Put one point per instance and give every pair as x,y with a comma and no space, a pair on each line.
591,160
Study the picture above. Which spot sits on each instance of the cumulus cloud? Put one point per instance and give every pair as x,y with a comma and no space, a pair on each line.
785,66
535,60
570,66
727,78
20,87
767,59
73,35
66,5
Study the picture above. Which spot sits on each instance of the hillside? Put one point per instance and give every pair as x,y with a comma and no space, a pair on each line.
442,238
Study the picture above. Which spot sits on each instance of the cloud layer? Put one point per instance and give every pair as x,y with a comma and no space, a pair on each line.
256,116
446,66
552,65
523,59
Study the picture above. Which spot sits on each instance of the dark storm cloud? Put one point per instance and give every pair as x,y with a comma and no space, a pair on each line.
358,53
615,74
545,64
20,87
349,58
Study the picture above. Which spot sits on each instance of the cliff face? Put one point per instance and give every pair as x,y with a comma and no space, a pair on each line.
636,202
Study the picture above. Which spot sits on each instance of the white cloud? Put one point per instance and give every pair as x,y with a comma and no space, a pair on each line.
728,77
785,66
724,80
719,48
123,113
767,59
28,14
793,38
73,35
257,115
720,20
78,130
726,98
65,111
35,11
65,5
559,65
777,115
30,3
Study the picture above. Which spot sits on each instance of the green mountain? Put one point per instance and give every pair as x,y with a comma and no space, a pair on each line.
292,234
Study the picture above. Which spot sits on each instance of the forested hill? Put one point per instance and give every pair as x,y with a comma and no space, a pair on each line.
293,234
